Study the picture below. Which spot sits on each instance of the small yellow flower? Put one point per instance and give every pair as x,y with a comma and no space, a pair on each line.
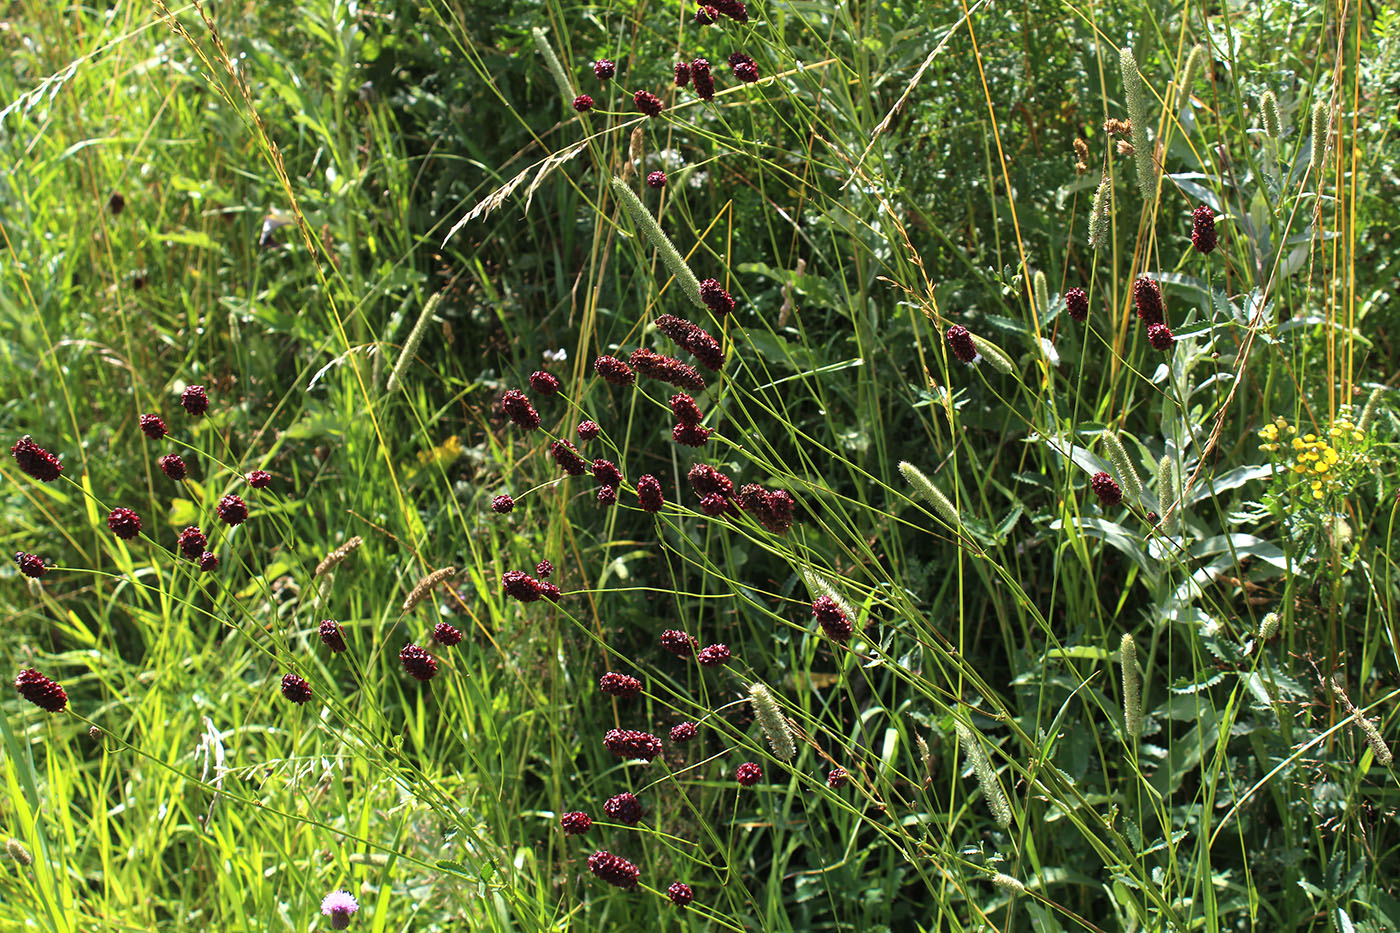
1309,437
1299,468
1317,493
1358,436
1330,455
1298,444
1320,466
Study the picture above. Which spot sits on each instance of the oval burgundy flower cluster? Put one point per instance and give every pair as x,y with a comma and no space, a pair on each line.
43,692
623,686
832,618
667,369
693,339
772,508
631,744
1147,299
520,585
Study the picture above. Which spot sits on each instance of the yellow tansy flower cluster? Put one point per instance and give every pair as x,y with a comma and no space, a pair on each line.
1318,462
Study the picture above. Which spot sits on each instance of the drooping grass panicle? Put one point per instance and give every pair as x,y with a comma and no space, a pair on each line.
993,354
1100,213
1368,413
1194,61
926,490
1136,93
986,776
415,339
1132,687
561,77
1122,464
652,230
425,587
774,724
1321,128
1168,494
1268,114
334,558
819,585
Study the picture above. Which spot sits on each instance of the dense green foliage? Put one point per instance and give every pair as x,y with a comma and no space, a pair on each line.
359,224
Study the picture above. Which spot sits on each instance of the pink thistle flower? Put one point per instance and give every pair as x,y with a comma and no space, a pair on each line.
340,906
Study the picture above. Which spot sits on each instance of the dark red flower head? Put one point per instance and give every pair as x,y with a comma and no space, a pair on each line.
606,472
837,778
1161,337
583,103
1203,229
685,409
124,523
772,508
1077,304
832,618
706,15
35,461
649,494
446,635
502,504
1108,491
192,542
519,585
715,297
604,69
656,180
544,568
1147,297
41,691
575,823
332,636
632,745
232,510
31,565
648,103
715,505
607,495
706,480
194,400
747,72
680,894
566,455
666,369
259,479
678,643
624,686
518,409
682,74
208,561
625,808
614,869
587,430
173,466
153,427
615,371
960,342
544,383
549,591
418,662
691,435
701,77
748,774
713,655
683,732
295,688
688,336
734,9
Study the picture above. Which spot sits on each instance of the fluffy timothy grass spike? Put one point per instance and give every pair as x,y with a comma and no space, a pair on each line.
1194,61
652,230
425,586
1167,494
415,338
993,354
1099,213
1268,626
1132,687
1321,126
1368,413
561,78
1122,464
818,585
1136,92
1042,294
333,559
1008,883
18,852
925,757
982,767
1373,738
773,722
1268,111
930,493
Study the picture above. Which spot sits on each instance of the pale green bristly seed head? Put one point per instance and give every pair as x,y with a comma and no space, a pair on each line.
1168,494
1042,295
774,724
926,490
1122,465
1268,110
1368,414
1194,61
18,852
1132,687
561,79
1321,126
1268,626
993,354
671,256
1373,738
986,776
1099,217
1008,883
415,339
925,756
1136,92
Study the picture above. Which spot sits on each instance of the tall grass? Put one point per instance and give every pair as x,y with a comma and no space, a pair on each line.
358,226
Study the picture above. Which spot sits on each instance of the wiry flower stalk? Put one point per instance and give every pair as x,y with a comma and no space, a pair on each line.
652,230
1132,687
993,354
1100,221
982,767
1118,456
1168,494
425,586
1136,92
415,339
773,722
333,559
561,78
930,493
